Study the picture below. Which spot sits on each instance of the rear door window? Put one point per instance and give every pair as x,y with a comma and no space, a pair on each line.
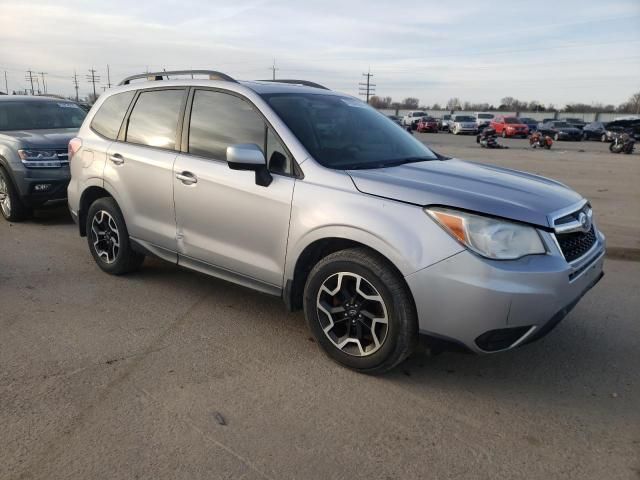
108,119
154,118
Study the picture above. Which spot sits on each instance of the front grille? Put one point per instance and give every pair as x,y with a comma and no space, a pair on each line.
63,155
575,244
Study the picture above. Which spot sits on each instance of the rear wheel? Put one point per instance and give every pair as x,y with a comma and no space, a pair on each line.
504,134
108,238
556,137
603,138
360,311
11,206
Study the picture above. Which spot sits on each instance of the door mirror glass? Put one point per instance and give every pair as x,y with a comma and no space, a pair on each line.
249,156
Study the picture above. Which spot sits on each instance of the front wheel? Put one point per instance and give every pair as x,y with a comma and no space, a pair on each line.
504,134
108,238
556,137
360,311
11,206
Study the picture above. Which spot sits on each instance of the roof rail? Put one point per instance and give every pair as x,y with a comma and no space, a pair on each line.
154,76
306,83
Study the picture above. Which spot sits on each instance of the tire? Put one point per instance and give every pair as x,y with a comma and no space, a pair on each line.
504,134
347,341
12,207
105,216
603,138
556,137
613,149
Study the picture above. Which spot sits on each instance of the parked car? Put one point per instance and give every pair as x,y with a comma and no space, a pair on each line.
34,166
575,122
315,197
395,119
411,119
428,124
531,123
483,119
595,131
463,124
510,127
443,122
560,130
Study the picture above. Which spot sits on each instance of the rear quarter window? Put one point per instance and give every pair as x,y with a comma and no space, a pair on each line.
108,119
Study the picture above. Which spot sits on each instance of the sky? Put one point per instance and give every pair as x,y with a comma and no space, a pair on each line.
555,52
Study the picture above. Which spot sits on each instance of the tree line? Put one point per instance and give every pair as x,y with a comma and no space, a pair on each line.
632,105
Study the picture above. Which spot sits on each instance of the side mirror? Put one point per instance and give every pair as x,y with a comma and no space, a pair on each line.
249,156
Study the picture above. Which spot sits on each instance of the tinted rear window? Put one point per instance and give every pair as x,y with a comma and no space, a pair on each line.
154,119
108,119
40,115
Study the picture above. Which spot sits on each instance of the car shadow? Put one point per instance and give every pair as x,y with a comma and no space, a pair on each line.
52,215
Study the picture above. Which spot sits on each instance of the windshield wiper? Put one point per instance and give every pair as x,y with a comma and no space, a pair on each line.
388,163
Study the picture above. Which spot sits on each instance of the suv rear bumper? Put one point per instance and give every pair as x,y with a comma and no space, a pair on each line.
490,306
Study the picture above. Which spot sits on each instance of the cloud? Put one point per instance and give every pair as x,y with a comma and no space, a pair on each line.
432,51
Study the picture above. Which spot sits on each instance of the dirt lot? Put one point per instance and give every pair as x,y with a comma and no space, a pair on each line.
611,182
170,374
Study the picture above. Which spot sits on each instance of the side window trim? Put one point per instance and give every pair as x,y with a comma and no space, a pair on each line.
122,134
296,172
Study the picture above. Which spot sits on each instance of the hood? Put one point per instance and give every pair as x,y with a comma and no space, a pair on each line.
57,138
481,188
516,125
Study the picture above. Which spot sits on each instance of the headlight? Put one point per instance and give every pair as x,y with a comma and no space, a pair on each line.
39,158
490,237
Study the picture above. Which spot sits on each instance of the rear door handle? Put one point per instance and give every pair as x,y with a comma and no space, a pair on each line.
116,159
187,178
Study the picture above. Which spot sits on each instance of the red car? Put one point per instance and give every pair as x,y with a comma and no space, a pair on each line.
428,124
509,127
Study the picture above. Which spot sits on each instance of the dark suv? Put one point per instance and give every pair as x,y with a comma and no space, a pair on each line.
34,165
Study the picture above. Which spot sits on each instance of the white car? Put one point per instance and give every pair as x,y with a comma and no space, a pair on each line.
412,118
484,119
463,124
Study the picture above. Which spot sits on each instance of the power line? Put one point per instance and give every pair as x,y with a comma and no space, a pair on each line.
93,79
367,88
75,83
29,76
44,84
273,69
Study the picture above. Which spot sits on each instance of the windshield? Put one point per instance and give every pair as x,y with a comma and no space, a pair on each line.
528,120
40,115
485,115
418,114
512,120
561,124
345,133
462,118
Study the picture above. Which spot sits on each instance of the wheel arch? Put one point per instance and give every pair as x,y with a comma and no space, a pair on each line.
315,251
89,195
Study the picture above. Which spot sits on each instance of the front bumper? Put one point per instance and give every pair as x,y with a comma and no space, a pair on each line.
488,305
39,186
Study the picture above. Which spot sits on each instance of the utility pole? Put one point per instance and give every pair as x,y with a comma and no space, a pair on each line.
6,84
273,69
108,77
44,85
367,88
75,83
93,79
29,76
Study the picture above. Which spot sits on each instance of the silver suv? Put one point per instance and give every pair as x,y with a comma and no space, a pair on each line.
311,195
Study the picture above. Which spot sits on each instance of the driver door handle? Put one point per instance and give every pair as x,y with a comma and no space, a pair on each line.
116,159
187,178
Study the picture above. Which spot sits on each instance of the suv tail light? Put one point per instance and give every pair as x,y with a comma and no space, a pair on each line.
74,145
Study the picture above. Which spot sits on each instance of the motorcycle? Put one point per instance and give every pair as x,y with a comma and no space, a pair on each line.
537,140
489,139
622,143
